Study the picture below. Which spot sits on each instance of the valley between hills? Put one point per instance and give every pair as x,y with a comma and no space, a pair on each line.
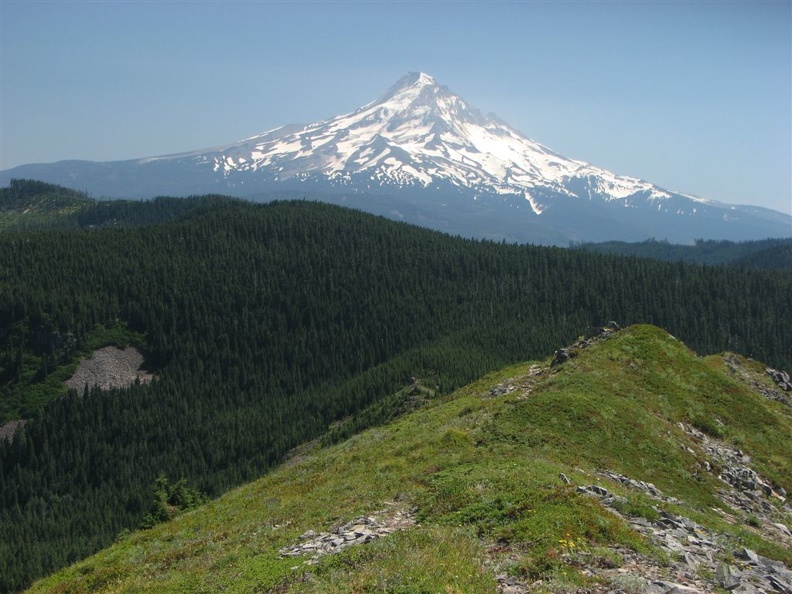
342,403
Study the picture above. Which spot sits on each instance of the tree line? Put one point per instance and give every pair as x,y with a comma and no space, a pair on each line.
769,254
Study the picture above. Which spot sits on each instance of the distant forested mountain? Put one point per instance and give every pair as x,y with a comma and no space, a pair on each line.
264,324
769,254
29,205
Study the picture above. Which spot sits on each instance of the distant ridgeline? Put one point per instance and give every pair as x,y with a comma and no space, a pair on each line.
264,324
21,191
769,254
28,205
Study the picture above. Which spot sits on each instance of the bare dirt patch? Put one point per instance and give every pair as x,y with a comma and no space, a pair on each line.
110,367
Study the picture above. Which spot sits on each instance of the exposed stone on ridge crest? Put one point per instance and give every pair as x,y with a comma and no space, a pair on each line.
592,335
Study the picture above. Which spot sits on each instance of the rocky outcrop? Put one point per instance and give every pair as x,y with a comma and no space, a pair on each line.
700,559
781,378
744,489
524,384
561,356
778,392
751,573
647,488
361,530
699,555
593,335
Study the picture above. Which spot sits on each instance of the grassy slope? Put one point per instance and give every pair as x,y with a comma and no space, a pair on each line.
482,473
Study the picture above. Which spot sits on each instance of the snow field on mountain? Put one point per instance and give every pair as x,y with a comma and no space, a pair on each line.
419,133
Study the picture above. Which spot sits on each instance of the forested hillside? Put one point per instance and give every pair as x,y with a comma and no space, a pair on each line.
29,205
769,254
266,323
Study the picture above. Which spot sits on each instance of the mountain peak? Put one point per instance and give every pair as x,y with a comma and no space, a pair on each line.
417,79
410,86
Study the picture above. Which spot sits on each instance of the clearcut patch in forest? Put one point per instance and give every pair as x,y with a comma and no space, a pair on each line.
110,367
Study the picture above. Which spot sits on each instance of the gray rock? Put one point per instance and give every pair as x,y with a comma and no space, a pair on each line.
690,560
508,584
771,565
783,528
594,490
561,356
748,555
673,588
728,577
781,378
784,586
359,531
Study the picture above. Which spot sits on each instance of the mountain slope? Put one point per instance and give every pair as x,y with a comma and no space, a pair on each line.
423,147
604,472
264,324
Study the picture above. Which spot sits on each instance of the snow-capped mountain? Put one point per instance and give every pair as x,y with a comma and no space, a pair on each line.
422,154
419,134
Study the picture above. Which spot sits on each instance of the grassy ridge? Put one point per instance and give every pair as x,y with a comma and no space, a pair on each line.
481,470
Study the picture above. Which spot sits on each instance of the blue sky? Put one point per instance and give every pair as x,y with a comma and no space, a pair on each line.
693,96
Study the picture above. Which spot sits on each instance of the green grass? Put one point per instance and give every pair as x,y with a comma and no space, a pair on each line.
482,474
